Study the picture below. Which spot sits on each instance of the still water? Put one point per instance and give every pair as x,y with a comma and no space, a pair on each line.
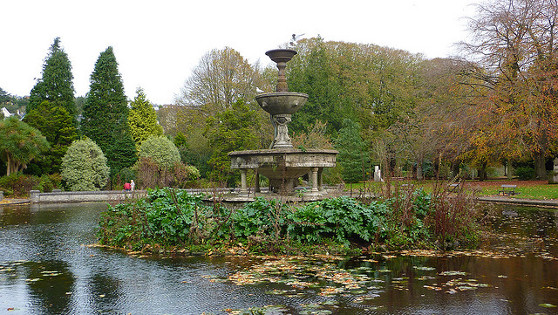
46,267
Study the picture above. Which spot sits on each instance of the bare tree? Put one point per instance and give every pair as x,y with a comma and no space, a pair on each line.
221,78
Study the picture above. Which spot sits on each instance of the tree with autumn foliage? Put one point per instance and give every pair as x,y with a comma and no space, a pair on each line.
516,48
221,78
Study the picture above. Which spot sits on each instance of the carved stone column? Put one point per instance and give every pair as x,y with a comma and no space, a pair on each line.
315,180
243,185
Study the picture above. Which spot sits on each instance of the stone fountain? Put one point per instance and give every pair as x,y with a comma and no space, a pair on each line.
281,163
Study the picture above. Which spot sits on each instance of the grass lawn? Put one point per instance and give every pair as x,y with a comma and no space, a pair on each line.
531,189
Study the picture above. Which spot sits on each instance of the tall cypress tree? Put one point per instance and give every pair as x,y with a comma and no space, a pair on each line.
56,85
105,114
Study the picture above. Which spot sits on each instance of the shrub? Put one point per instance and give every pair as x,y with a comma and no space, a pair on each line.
261,217
161,151
341,218
84,166
166,217
525,173
453,219
45,184
18,184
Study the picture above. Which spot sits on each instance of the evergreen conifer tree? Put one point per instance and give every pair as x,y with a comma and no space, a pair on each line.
143,119
52,110
353,156
105,114
56,84
58,127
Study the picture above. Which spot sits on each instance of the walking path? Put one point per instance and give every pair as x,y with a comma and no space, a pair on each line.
11,201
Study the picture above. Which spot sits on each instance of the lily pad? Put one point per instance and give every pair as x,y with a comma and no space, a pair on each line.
452,273
424,268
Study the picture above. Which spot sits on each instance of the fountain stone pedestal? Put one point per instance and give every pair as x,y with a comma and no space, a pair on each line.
282,164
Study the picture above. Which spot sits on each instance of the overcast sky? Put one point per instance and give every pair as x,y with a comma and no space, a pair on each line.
158,43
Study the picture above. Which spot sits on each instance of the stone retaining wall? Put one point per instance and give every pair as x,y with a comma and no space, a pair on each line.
84,196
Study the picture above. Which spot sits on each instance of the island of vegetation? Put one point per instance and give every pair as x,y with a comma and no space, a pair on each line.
175,221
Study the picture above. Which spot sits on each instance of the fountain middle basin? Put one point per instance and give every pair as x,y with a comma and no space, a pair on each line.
277,103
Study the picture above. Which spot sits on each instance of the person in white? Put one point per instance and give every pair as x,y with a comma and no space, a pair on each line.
132,184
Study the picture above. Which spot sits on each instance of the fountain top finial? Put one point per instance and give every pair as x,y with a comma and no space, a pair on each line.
281,57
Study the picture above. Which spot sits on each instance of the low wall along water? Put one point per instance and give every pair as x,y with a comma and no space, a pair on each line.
84,196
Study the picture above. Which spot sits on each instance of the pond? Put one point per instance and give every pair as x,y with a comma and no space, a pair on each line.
47,267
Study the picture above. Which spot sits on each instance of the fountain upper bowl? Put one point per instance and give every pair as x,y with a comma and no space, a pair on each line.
280,55
281,102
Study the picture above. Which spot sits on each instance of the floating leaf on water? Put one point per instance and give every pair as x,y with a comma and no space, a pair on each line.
423,278
315,312
277,292
547,305
431,287
384,270
358,292
465,288
322,312
33,280
502,276
424,268
452,273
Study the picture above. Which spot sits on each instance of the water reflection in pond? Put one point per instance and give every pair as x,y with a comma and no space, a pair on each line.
45,267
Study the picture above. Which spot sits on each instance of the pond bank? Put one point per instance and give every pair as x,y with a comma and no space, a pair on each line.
518,201
493,199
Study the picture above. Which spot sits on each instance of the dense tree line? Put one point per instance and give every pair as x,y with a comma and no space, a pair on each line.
495,105
96,150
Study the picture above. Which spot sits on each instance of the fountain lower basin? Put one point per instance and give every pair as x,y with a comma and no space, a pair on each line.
283,167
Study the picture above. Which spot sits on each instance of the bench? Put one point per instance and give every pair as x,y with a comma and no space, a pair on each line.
453,187
508,190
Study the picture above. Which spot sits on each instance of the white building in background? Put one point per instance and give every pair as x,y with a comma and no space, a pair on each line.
6,113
